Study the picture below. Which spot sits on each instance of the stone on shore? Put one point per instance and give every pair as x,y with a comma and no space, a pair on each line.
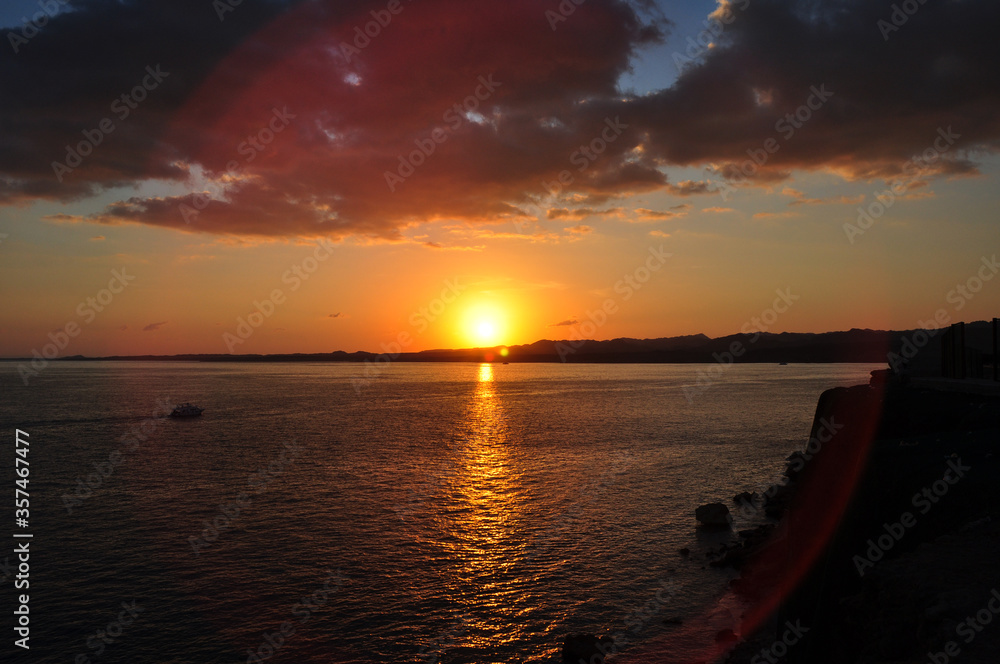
586,647
713,515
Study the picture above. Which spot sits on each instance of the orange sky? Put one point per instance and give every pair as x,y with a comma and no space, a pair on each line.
428,165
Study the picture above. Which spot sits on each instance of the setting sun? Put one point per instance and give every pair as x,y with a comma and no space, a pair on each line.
486,330
484,325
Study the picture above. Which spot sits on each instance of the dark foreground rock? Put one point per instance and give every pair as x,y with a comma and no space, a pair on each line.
585,647
888,544
713,515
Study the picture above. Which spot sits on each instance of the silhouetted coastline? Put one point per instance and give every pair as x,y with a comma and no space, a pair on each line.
853,346
913,548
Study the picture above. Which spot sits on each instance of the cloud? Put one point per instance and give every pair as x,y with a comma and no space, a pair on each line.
645,214
581,213
579,229
659,233
802,199
538,237
690,188
337,315
347,119
718,210
775,215
566,213
437,246
97,238
191,258
565,323
152,327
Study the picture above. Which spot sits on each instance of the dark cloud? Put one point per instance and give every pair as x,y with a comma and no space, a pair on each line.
565,323
645,214
581,213
800,198
286,131
71,75
152,327
888,101
690,188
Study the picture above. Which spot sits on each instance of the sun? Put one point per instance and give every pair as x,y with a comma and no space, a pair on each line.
484,326
486,330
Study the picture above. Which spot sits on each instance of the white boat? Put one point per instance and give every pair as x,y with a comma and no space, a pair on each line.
186,410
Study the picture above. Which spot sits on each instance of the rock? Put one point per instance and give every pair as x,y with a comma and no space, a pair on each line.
758,536
778,499
726,636
586,647
737,554
673,621
797,461
745,497
713,515
684,552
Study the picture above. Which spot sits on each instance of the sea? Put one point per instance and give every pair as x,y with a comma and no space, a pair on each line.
423,513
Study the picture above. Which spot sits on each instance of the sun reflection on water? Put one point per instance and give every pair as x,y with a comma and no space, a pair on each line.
489,501
484,478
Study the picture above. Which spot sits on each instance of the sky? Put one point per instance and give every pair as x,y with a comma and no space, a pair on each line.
190,176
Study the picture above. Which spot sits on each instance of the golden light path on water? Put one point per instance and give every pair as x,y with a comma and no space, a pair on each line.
489,503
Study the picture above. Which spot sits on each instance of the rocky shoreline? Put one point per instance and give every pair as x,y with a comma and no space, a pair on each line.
881,540
912,548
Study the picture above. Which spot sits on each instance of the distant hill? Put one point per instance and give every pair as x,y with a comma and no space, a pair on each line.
854,345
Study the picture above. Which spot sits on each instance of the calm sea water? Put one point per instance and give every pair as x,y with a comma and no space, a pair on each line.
446,513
